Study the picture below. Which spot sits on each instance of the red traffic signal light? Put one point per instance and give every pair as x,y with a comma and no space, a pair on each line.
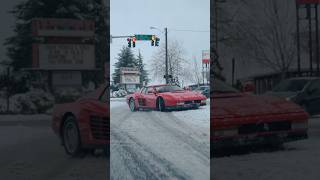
134,42
129,42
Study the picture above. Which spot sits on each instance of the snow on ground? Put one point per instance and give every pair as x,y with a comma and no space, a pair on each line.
298,160
159,145
197,118
116,102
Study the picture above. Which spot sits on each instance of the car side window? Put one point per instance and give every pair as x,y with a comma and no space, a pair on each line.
145,91
149,89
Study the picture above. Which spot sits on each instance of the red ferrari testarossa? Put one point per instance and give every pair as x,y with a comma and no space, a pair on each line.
242,119
165,97
83,124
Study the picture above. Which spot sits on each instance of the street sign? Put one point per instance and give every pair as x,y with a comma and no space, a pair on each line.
143,37
205,56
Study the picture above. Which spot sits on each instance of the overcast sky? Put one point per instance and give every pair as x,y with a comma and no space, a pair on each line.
129,17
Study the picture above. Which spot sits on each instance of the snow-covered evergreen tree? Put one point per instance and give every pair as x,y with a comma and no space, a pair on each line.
125,59
144,73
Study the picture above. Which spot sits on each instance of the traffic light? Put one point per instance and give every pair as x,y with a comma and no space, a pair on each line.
157,41
153,39
129,42
134,42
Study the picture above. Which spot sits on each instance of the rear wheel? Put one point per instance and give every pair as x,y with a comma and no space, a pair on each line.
161,105
71,137
132,105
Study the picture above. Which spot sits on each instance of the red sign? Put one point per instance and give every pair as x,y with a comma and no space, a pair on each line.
308,1
205,61
205,56
62,27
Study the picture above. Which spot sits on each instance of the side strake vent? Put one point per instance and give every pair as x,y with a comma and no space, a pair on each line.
99,127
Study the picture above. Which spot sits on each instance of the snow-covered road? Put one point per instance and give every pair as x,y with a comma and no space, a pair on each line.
297,160
159,145
30,150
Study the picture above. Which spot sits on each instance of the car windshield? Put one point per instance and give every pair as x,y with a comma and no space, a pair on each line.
162,89
201,88
292,85
222,87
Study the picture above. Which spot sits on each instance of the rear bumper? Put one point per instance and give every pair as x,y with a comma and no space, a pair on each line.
272,138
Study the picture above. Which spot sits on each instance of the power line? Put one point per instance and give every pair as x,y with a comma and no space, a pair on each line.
189,30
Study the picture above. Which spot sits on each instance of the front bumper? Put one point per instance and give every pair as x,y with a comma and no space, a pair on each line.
185,106
269,138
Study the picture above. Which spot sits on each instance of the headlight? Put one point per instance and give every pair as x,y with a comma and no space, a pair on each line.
299,125
226,132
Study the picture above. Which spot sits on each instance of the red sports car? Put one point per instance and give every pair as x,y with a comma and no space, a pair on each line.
165,97
242,119
83,124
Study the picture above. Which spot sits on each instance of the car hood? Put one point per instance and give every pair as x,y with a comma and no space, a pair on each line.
184,95
281,94
249,105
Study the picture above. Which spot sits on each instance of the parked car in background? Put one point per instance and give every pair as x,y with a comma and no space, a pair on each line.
239,119
165,97
84,124
205,90
304,91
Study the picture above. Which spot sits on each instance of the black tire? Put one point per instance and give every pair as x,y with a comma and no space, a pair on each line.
196,106
160,104
71,137
132,105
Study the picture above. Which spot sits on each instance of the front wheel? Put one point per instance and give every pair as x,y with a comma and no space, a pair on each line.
132,105
71,137
161,105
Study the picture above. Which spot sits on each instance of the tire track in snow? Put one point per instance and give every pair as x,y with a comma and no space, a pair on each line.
142,162
203,149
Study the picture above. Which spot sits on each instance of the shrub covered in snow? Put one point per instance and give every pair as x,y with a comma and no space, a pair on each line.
33,101
64,95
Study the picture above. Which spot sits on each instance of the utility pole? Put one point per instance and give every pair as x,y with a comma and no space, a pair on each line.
298,39
216,22
166,39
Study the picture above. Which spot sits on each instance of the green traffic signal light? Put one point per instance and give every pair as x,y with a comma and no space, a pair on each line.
157,41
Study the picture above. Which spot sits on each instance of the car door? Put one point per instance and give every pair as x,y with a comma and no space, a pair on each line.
141,97
313,97
150,97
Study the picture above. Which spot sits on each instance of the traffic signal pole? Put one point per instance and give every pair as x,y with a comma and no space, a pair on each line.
166,39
